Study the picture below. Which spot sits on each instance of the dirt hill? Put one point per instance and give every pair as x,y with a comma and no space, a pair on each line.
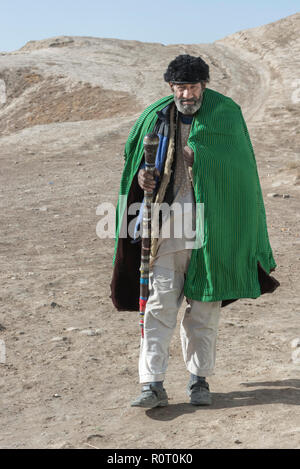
70,367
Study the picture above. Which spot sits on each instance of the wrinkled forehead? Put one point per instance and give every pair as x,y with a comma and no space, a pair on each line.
183,86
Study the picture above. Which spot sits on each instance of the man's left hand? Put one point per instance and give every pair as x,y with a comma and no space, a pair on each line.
188,156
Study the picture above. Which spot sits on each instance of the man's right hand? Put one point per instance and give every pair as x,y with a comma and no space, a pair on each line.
146,181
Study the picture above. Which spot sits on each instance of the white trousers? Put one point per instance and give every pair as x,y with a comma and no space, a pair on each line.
198,329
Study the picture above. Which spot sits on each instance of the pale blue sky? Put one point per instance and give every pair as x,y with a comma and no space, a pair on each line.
164,21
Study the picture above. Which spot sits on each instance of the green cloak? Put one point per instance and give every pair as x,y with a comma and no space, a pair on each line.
236,244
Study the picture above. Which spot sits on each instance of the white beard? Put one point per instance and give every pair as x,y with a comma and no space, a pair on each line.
188,109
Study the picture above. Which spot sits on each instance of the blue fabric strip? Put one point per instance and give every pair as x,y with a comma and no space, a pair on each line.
145,281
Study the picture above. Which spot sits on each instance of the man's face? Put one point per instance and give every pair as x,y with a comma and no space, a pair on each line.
188,97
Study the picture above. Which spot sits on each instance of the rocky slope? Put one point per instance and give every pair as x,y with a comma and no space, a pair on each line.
70,365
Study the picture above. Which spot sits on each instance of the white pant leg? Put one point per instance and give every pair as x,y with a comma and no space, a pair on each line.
198,330
165,299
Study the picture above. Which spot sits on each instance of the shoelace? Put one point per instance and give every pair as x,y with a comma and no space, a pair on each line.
200,384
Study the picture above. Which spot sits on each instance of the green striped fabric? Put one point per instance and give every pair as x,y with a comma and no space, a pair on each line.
227,183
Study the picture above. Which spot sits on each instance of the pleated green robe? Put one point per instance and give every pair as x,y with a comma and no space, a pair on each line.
235,244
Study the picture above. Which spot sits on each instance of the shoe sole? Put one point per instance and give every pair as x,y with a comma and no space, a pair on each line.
162,403
199,403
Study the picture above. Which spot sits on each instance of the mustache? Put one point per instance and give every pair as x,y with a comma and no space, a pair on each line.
188,101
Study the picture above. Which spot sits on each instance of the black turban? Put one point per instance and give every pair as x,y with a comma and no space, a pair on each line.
187,69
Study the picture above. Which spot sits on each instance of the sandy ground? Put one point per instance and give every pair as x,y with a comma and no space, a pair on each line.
70,369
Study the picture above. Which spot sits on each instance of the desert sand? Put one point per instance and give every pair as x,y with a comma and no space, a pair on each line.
69,359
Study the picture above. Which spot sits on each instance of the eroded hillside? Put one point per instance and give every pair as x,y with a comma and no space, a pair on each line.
70,367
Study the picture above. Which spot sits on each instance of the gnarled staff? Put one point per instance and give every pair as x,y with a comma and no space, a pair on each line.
151,142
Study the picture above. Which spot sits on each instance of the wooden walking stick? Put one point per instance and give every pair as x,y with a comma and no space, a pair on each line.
151,142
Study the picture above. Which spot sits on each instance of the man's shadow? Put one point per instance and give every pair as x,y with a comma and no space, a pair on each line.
274,392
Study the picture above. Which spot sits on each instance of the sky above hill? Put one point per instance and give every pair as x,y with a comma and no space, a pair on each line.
163,21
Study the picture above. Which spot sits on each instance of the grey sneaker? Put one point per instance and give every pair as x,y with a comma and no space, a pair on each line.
199,393
151,396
